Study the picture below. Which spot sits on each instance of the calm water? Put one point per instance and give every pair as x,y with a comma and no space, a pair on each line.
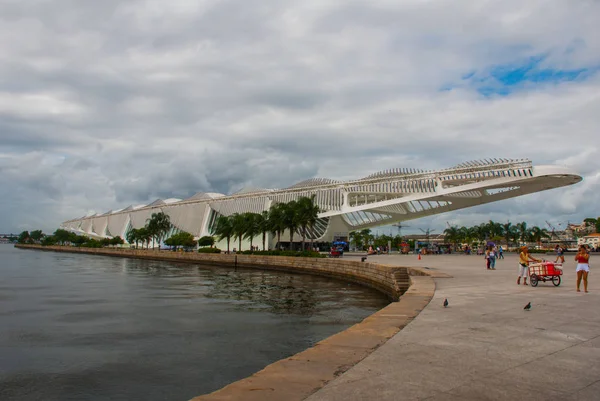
82,327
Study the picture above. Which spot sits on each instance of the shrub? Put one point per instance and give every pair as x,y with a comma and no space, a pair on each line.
209,250
207,240
92,243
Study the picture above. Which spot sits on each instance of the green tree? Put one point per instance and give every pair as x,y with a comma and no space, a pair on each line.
251,228
37,235
158,225
538,234
277,220
307,214
63,236
290,218
183,239
506,232
238,227
224,229
356,238
523,233
116,241
144,236
367,236
207,240
48,240
24,237
262,223
133,237
452,234
494,229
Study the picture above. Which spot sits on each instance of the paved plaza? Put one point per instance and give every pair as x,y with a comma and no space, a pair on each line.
484,346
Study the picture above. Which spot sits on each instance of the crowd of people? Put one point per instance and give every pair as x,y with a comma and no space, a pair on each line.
491,254
582,258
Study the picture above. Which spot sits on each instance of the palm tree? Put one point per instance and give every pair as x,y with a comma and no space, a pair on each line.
223,229
276,220
238,226
537,234
515,234
367,236
494,229
356,237
506,232
307,213
522,227
251,228
132,236
144,236
262,223
290,218
451,234
158,226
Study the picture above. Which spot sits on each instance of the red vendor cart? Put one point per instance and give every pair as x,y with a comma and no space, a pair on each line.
545,271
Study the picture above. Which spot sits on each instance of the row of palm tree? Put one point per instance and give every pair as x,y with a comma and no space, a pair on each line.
494,231
156,228
297,216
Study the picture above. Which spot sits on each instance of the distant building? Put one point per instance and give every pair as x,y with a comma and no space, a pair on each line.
591,240
581,228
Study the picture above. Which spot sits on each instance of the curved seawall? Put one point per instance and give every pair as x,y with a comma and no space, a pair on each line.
300,375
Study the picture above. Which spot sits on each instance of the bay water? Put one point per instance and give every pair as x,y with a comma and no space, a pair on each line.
85,327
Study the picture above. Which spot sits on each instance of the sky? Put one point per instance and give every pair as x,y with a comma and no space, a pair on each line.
109,103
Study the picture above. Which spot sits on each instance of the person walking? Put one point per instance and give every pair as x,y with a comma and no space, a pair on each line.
524,259
500,252
560,254
490,257
583,267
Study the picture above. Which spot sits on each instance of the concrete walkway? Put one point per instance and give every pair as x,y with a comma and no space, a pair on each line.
484,346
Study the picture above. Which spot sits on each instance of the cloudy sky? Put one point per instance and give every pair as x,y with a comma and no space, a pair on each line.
113,102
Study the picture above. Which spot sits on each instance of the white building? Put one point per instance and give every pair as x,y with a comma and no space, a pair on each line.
385,197
591,240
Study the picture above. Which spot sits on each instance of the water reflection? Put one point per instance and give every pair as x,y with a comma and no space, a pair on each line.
81,327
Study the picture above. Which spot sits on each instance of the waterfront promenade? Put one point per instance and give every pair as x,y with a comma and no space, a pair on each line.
484,346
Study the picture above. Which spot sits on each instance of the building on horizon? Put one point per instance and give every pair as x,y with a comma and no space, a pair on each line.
383,198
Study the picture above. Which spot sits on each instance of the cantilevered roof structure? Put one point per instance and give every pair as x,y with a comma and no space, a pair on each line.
386,197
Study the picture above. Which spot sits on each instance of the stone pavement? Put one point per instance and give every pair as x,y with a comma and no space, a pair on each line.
484,346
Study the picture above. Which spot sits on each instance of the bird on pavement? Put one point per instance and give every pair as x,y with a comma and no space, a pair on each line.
446,303
528,306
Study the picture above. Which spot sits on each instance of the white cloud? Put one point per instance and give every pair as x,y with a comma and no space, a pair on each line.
106,104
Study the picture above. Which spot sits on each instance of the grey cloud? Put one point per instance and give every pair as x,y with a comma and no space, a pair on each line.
157,100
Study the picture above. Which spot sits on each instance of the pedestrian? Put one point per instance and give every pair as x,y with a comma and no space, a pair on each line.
560,254
486,256
492,257
583,267
524,259
500,253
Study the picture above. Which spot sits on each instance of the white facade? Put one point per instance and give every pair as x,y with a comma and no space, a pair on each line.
592,240
383,198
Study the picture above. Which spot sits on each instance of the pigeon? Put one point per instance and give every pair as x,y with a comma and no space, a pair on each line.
446,303
528,306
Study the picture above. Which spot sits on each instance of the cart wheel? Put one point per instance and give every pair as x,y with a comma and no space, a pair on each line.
534,280
556,281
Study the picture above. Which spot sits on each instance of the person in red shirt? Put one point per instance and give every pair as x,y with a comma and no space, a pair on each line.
583,267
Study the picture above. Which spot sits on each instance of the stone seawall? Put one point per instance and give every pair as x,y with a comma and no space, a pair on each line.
296,377
393,281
